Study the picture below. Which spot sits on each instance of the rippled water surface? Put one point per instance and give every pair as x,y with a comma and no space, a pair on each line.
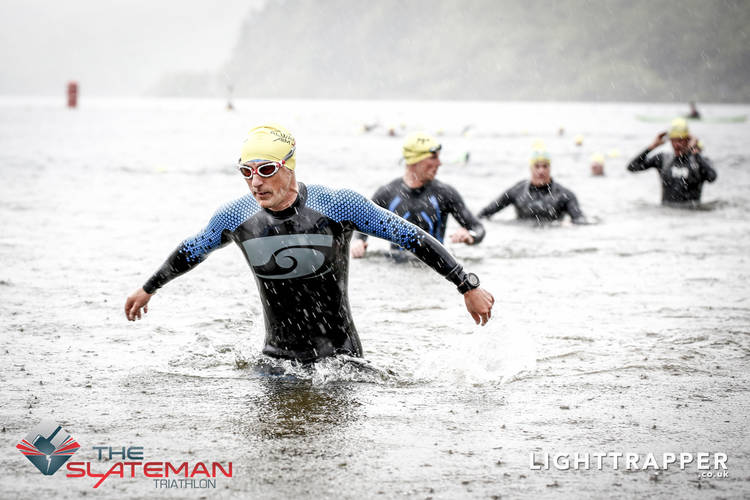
630,335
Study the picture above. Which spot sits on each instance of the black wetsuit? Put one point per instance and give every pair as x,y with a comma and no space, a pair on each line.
543,203
427,207
682,177
300,260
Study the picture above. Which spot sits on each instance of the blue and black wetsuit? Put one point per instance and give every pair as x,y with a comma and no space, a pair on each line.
682,177
300,258
428,207
543,203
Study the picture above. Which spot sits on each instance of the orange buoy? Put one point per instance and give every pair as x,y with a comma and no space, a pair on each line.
72,94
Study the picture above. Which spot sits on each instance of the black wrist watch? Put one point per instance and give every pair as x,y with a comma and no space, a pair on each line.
469,283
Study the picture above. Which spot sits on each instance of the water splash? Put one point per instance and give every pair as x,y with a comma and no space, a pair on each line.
491,356
327,371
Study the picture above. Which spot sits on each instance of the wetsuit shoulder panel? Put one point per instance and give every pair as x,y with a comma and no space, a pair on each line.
226,219
194,250
345,205
385,193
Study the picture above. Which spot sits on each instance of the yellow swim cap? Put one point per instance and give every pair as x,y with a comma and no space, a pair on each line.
597,158
539,155
419,146
679,129
269,142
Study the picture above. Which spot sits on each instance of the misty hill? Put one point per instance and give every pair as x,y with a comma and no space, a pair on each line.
671,50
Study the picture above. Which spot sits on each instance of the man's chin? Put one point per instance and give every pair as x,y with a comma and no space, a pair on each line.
264,200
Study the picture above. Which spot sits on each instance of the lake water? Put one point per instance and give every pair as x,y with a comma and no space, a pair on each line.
630,335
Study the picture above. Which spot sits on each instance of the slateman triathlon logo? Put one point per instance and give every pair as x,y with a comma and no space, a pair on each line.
48,447
288,256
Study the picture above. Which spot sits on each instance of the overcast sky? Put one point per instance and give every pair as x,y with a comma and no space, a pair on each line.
112,47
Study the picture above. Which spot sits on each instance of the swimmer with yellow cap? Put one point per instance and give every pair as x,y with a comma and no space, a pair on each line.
683,173
540,199
267,162
423,200
295,238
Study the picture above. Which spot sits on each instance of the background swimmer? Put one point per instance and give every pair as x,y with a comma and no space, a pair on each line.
682,172
539,198
423,200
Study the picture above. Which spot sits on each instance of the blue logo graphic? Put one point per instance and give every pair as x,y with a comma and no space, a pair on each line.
48,447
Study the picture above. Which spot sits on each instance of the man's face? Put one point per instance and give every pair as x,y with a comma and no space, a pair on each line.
540,173
426,170
680,146
276,192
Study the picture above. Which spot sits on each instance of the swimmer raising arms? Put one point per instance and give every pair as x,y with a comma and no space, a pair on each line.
683,173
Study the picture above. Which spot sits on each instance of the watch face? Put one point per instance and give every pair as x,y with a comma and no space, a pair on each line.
472,279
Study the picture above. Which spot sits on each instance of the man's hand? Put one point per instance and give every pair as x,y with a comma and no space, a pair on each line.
358,248
137,300
479,304
658,141
462,236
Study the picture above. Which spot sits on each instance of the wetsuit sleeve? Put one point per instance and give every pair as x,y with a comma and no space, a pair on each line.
371,219
707,170
194,250
643,162
379,199
501,202
464,216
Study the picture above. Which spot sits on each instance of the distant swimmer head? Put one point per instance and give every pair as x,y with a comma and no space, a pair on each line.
578,140
679,129
597,164
270,142
539,163
419,146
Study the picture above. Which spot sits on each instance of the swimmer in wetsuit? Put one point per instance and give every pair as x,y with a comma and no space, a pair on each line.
295,237
422,200
539,198
682,173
